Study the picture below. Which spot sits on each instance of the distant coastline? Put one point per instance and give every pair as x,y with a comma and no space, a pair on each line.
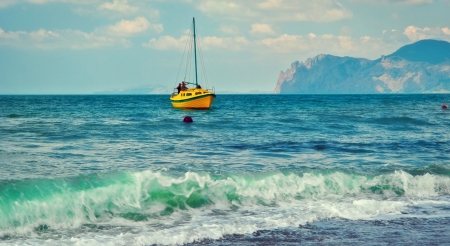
163,90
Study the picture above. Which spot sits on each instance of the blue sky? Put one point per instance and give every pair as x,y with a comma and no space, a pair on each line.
88,46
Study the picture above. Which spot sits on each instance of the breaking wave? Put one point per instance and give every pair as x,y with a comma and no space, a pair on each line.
145,196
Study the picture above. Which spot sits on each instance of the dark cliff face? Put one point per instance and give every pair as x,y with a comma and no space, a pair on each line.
420,67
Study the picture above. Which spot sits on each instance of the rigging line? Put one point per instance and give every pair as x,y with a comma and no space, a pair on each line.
203,67
188,59
191,55
188,56
182,59
203,64
191,51
200,57
204,71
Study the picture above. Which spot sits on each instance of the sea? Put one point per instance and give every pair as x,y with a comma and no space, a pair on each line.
252,170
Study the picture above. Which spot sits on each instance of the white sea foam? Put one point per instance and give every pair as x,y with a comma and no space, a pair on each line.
239,204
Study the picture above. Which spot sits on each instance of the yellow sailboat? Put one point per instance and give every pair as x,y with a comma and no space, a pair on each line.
190,95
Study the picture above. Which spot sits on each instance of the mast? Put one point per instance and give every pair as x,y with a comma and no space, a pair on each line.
195,54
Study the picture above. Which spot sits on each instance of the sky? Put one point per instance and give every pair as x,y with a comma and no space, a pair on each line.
91,46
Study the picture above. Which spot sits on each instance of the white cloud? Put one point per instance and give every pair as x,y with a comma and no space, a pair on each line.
446,30
230,30
227,9
345,31
276,10
417,33
410,2
397,2
206,43
9,35
64,39
286,45
415,1
308,45
5,3
116,34
167,43
132,27
214,43
119,6
258,28
43,34
394,36
269,4
112,8
124,8
312,44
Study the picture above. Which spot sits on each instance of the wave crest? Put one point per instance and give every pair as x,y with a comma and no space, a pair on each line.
147,195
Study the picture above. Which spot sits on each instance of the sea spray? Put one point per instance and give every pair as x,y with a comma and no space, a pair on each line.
147,195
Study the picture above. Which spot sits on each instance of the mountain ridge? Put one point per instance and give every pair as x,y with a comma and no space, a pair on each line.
421,67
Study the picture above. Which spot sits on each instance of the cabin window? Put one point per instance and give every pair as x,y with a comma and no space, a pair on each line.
198,93
205,92
182,94
188,94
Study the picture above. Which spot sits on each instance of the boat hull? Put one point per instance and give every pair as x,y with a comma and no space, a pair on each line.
196,102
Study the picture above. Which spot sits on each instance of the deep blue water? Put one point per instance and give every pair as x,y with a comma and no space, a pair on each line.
125,169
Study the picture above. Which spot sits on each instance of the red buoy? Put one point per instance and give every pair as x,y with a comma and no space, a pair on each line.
444,106
188,119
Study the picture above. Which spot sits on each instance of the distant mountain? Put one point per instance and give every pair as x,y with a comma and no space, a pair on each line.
428,51
144,89
422,67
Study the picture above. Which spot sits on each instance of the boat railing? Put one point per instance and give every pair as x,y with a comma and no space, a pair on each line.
175,91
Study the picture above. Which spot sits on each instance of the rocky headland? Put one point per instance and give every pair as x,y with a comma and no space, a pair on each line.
421,67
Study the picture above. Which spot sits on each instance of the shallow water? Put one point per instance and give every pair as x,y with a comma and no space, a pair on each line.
122,170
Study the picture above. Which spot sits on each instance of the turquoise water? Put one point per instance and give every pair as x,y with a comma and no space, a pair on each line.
125,170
